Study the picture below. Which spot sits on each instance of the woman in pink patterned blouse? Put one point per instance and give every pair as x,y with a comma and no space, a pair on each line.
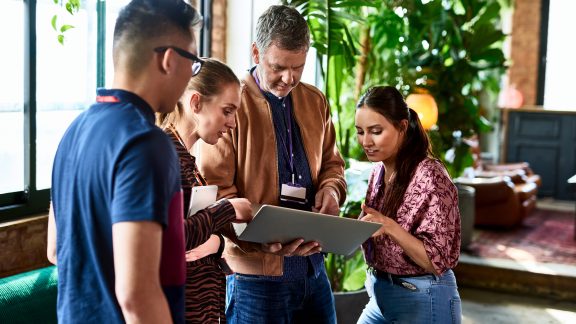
410,193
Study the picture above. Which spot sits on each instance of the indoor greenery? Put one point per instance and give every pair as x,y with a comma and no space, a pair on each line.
72,7
449,48
348,273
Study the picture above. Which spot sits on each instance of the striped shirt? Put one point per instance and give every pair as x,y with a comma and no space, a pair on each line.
205,280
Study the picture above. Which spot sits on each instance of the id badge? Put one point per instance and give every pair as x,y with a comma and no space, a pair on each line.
293,193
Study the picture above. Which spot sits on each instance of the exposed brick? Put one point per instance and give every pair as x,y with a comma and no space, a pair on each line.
523,72
23,245
219,17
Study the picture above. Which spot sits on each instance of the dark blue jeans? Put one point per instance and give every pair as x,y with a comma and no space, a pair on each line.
255,300
431,300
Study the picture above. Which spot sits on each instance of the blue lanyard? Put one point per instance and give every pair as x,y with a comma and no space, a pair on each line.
288,117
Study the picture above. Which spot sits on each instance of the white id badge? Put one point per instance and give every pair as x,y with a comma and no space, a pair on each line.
292,193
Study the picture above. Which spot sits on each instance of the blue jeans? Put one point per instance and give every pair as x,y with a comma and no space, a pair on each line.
422,299
254,300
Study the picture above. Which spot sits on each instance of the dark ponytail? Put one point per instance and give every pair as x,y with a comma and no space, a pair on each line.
388,102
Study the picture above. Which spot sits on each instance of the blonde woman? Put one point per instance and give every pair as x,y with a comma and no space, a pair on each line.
206,111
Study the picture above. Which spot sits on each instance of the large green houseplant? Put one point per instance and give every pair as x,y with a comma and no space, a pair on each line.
451,49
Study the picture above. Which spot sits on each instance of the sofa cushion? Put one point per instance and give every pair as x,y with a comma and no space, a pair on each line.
29,297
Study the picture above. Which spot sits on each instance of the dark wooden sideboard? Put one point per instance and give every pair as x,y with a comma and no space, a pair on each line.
547,140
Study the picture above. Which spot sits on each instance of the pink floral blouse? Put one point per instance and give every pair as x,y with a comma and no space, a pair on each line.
429,212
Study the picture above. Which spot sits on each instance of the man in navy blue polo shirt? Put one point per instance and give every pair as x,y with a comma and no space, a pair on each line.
116,228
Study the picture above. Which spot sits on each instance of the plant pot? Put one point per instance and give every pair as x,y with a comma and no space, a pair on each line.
349,305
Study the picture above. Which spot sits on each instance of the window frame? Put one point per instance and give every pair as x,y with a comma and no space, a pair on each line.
543,51
30,201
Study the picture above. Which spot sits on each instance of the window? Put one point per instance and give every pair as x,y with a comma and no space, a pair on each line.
65,79
558,65
12,97
112,10
44,87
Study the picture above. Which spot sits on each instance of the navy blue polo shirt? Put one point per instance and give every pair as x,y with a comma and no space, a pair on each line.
113,165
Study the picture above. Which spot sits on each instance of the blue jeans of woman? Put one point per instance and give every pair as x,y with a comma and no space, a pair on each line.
255,300
422,299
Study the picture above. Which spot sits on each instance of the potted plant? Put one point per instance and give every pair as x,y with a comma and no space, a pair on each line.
348,273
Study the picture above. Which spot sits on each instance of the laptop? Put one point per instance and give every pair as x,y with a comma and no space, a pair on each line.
335,234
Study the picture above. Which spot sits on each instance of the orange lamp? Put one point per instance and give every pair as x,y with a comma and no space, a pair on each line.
425,105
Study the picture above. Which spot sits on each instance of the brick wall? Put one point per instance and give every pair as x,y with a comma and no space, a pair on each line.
525,48
218,45
23,245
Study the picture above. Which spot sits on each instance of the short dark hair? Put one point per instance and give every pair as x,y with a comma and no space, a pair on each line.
388,102
141,22
284,27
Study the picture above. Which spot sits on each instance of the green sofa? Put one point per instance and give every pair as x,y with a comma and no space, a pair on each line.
29,297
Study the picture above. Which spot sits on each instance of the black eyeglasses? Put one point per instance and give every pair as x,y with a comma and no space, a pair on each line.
196,61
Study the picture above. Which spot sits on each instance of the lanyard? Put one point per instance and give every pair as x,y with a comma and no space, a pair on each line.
288,117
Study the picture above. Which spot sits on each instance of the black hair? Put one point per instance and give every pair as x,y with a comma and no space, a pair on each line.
141,22
388,102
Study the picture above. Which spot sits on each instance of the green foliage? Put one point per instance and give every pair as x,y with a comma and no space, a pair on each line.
72,7
348,273
451,49
331,25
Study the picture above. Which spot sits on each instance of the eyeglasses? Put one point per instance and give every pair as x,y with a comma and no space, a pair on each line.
196,61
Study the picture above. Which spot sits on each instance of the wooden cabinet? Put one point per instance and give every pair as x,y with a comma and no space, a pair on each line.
547,140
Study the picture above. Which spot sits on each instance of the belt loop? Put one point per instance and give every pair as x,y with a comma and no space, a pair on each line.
436,277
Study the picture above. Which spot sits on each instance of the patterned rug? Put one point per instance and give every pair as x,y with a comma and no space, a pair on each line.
545,236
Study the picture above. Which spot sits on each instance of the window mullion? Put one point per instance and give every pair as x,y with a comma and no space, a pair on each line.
101,44
30,99
205,43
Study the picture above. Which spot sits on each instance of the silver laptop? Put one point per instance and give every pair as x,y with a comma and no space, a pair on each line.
338,235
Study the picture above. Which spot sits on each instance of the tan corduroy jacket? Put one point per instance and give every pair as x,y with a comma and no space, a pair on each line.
244,163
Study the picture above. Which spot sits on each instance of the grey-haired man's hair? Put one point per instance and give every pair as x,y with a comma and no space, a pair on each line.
284,27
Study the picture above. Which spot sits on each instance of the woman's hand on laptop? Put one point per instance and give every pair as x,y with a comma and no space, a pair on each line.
243,209
294,248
